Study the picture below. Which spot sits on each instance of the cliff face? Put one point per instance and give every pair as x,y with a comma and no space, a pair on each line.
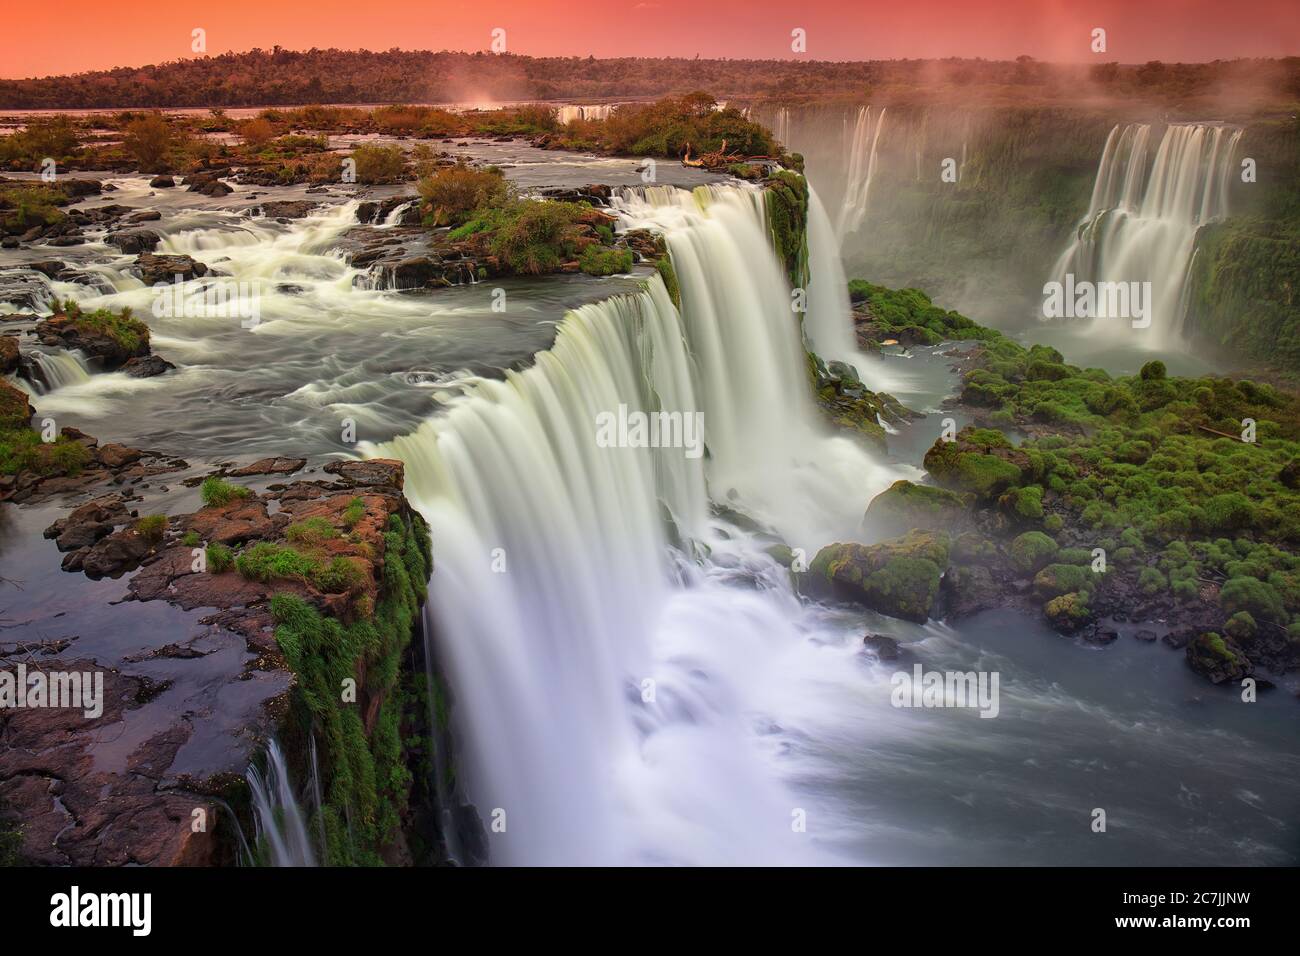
310,594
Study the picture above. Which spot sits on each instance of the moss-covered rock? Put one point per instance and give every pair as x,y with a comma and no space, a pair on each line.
905,505
898,577
1217,658
1031,551
1067,612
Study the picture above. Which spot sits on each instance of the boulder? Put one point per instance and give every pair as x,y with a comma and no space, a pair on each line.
8,354
86,525
162,182
270,466
1218,658
287,208
899,577
154,269
373,472
134,241
147,366
880,647
905,505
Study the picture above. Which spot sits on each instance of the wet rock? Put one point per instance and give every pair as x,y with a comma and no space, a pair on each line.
162,182
969,589
241,520
71,333
287,208
145,215
49,268
134,241
87,524
1145,636
26,291
8,354
116,554
270,466
880,647
1218,658
114,455
374,472
153,269
147,366
15,407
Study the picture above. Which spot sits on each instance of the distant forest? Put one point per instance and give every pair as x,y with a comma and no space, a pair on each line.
279,77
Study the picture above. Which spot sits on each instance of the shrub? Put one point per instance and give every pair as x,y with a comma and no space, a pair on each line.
1261,600
219,557
453,192
1241,626
1151,581
379,164
151,527
599,260
217,492
311,531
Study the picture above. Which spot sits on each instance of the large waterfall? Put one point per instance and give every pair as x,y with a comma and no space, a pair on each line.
1144,215
621,651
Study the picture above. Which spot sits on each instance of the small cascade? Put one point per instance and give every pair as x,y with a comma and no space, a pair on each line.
1144,216
861,153
42,371
281,830
570,113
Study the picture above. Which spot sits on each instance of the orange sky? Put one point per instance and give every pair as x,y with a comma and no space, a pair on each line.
77,35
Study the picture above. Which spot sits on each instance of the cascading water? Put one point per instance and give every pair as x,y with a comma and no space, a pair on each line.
281,828
621,658
861,146
1144,216
52,370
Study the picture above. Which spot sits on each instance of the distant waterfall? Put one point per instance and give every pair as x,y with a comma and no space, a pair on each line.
281,828
609,639
861,148
1145,213
843,167
567,114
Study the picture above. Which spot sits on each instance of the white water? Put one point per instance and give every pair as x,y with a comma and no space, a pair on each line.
58,369
277,814
567,114
861,144
1144,215
549,652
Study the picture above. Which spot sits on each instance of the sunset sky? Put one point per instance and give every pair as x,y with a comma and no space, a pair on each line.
42,39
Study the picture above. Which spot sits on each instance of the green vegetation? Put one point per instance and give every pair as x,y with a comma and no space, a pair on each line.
1031,550
219,558
909,316
30,204
151,527
676,126
354,512
313,531
379,164
599,260
452,193
216,492
787,213
363,777
191,539
129,334
267,562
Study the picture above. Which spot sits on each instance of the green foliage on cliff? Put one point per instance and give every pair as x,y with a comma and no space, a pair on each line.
787,214
363,778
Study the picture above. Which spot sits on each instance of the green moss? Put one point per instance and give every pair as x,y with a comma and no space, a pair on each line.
354,512
597,260
787,213
664,266
1259,599
363,777
905,505
311,531
1031,551
1058,579
21,449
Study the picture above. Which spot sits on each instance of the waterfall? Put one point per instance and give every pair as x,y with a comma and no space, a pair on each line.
617,650
280,825
1145,213
567,114
861,142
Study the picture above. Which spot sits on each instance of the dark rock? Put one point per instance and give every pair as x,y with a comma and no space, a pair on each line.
134,241
116,554
1145,635
145,215
49,268
376,472
898,577
88,524
114,455
8,354
881,647
162,182
1218,659
147,366
154,269
287,208
270,466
